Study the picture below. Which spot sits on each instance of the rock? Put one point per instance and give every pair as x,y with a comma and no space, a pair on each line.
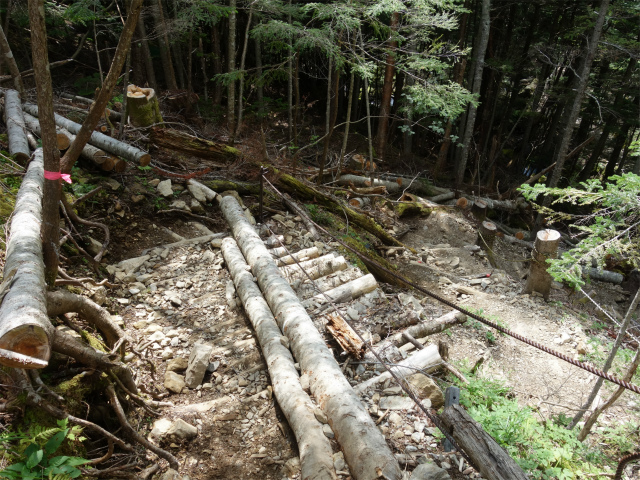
179,205
171,474
429,471
198,364
197,192
132,264
164,188
196,206
182,430
406,299
154,182
113,183
394,419
173,382
100,295
94,246
396,403
160,429
326,429
338,461
455,262
426,388
291,467
581,348
137,198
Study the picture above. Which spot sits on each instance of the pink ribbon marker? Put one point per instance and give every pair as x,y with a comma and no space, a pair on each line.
57,175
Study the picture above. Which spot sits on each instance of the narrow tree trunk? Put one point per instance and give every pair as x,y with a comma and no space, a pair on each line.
231,68
217,63
16,132
345,140
365,449
243,59
163,45
7,54
203,67
618,145
146,54
290,77
332,111
188,144
25,328
485,24
387,87
259,87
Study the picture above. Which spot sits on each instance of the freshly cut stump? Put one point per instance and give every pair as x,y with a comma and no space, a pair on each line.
364,447
316,459
545,247
142,106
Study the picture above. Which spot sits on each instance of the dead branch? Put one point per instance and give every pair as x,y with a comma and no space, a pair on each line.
72,215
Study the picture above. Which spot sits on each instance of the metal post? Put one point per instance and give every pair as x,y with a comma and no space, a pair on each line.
451,397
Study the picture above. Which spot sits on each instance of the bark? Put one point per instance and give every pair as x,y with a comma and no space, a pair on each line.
10,60
622,332
163,45
479,54
315,451
190,145
52,188
603,275
489,457
16,130
109,114
315,268
365,449
308,289
231,68
146,53
300,256
98,157
387,87
347,126
143,108
243,59
486,238
345,292
513,206
217,63
32,123
24,326
332,115
203,67
427,360
98,139
546,246
259,87
346,337
358,181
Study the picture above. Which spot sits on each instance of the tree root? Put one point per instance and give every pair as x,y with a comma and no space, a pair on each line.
75,218
86,196
94,263
68,280
35,376
106,456
115,403
62,301
184,212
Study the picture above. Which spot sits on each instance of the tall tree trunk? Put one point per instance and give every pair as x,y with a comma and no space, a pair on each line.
290,81
231,67
51,155
163,44
243,58
478,60
203,66
179,64
259,87
10,60
387,88
146,54
190,65
345,140
583,78
217,63
618,145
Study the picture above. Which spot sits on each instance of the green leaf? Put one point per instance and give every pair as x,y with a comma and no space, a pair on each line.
34,458
54,443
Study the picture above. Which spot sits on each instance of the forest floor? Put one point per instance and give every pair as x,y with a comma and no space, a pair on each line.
177,297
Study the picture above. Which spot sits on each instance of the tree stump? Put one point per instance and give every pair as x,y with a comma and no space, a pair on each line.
479,210
142,106
486,238
545,247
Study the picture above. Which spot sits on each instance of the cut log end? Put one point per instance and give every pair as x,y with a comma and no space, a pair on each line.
26,346
144,160
63,141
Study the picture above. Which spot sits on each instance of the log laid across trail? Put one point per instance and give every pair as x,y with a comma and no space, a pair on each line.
33,124
99,140
316,459
364,447
16,130
25,328
188,144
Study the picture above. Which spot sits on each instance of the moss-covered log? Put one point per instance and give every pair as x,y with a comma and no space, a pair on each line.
373,261
296,187
408,209
143,109
241,188
189,145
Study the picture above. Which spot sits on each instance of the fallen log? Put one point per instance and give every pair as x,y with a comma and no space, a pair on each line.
427,360
33,124
365,182
346,337
507,205
373,262
418,185
112,114
328,282
24,326
315,268
16,129
99,158
603,275
490,459
442,197
299,256
240,187
419,330
99,140
364,447
143,108
345,292
410,205
197,147
294,186
316,459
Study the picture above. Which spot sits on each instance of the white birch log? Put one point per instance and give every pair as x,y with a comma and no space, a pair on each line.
113,115
209,194
358,181
328,282
276,241
98,157
364,447
603,275
427,359
16,129
316,459
315,268
33,124
507,205
300,256
99,140
24,326
345,292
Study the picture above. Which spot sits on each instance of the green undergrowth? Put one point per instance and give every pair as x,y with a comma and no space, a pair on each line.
544,447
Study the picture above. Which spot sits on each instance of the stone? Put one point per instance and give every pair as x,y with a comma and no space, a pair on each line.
99,295
173,382
179,205
326,429
424,387
160,429
198,364
406,299
196,206
170,474
154,182
182,430
94,246
338,461
197,192
429,471
132,264
581,348
164,188
394,419
137,198
156,337
396,403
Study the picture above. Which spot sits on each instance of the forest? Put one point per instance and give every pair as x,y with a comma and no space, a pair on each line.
345,239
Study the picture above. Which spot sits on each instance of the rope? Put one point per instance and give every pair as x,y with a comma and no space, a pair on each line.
539,346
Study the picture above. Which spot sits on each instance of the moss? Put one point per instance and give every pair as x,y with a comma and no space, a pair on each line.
241,188
370,258
76,390
93,341
407,209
